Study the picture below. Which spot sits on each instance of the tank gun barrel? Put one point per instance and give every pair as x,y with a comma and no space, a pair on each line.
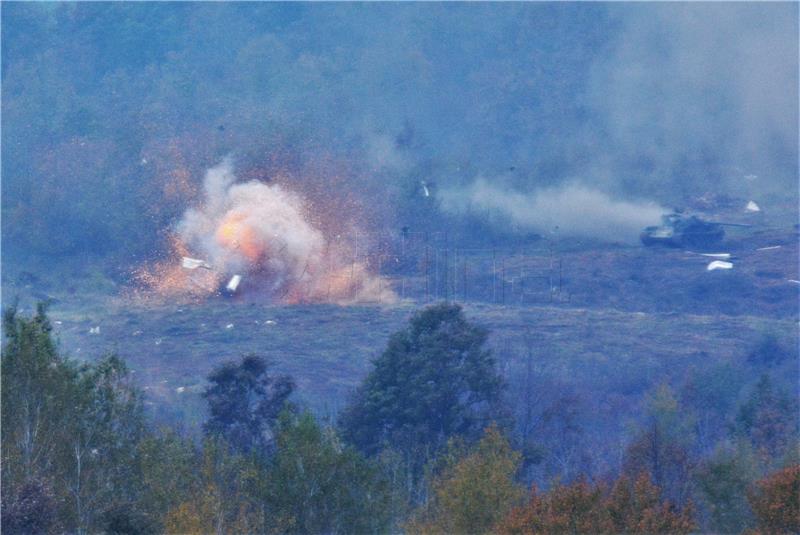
742,225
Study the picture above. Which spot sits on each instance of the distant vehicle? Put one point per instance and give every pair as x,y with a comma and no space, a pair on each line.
688,232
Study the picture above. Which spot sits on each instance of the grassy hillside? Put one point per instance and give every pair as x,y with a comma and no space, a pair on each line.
625,318
328,348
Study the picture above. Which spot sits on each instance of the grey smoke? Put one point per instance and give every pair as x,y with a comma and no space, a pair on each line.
687,98
659,101
697,96
268,228
574,209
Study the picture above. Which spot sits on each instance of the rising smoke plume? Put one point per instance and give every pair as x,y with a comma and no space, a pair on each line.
264,233
576,210
694,97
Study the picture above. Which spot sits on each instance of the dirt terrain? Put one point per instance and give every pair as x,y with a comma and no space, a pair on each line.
620,313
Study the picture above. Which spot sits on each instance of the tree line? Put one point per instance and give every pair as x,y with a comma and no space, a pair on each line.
427,444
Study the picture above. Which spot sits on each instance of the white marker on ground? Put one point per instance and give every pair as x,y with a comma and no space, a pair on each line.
719,264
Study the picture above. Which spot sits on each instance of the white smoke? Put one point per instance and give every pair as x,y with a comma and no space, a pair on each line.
263,232
575,209
252,226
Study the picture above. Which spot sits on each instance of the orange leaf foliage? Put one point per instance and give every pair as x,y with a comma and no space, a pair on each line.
626,507
776,502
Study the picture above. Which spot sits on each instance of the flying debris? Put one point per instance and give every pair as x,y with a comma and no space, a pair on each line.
770,248
94,330
272,236
194,263
425,190
752,207
229,326
719,264
721,256
233,284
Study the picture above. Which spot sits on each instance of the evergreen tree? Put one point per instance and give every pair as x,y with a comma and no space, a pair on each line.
723,480
435,380
244,400
769,419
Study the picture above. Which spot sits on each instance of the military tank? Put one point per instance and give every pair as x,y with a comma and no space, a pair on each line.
689,232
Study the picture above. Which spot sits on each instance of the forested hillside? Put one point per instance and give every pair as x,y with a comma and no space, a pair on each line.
400,267
427,444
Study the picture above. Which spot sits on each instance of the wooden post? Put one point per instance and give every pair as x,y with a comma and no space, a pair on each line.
503,280
427,288
380,279
465,279
550,272
455,274
494,276
436,274
446,269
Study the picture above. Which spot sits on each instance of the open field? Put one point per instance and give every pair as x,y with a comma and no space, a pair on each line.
623,277
328,348
623,314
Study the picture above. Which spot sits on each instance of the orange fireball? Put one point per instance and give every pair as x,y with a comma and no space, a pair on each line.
236,234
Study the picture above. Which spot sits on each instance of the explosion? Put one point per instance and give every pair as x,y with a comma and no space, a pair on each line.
260,235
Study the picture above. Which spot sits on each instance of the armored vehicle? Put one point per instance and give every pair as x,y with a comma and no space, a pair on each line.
690,232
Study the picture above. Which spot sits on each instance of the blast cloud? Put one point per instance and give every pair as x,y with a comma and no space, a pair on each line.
262,232
663,101
575,209
241,227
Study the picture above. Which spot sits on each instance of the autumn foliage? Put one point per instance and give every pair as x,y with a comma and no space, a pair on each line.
626,507
473,493
80,456
776,502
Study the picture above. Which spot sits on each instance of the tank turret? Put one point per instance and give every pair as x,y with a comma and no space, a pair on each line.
679,230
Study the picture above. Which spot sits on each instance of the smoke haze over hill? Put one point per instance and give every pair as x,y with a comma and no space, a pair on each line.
120,108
